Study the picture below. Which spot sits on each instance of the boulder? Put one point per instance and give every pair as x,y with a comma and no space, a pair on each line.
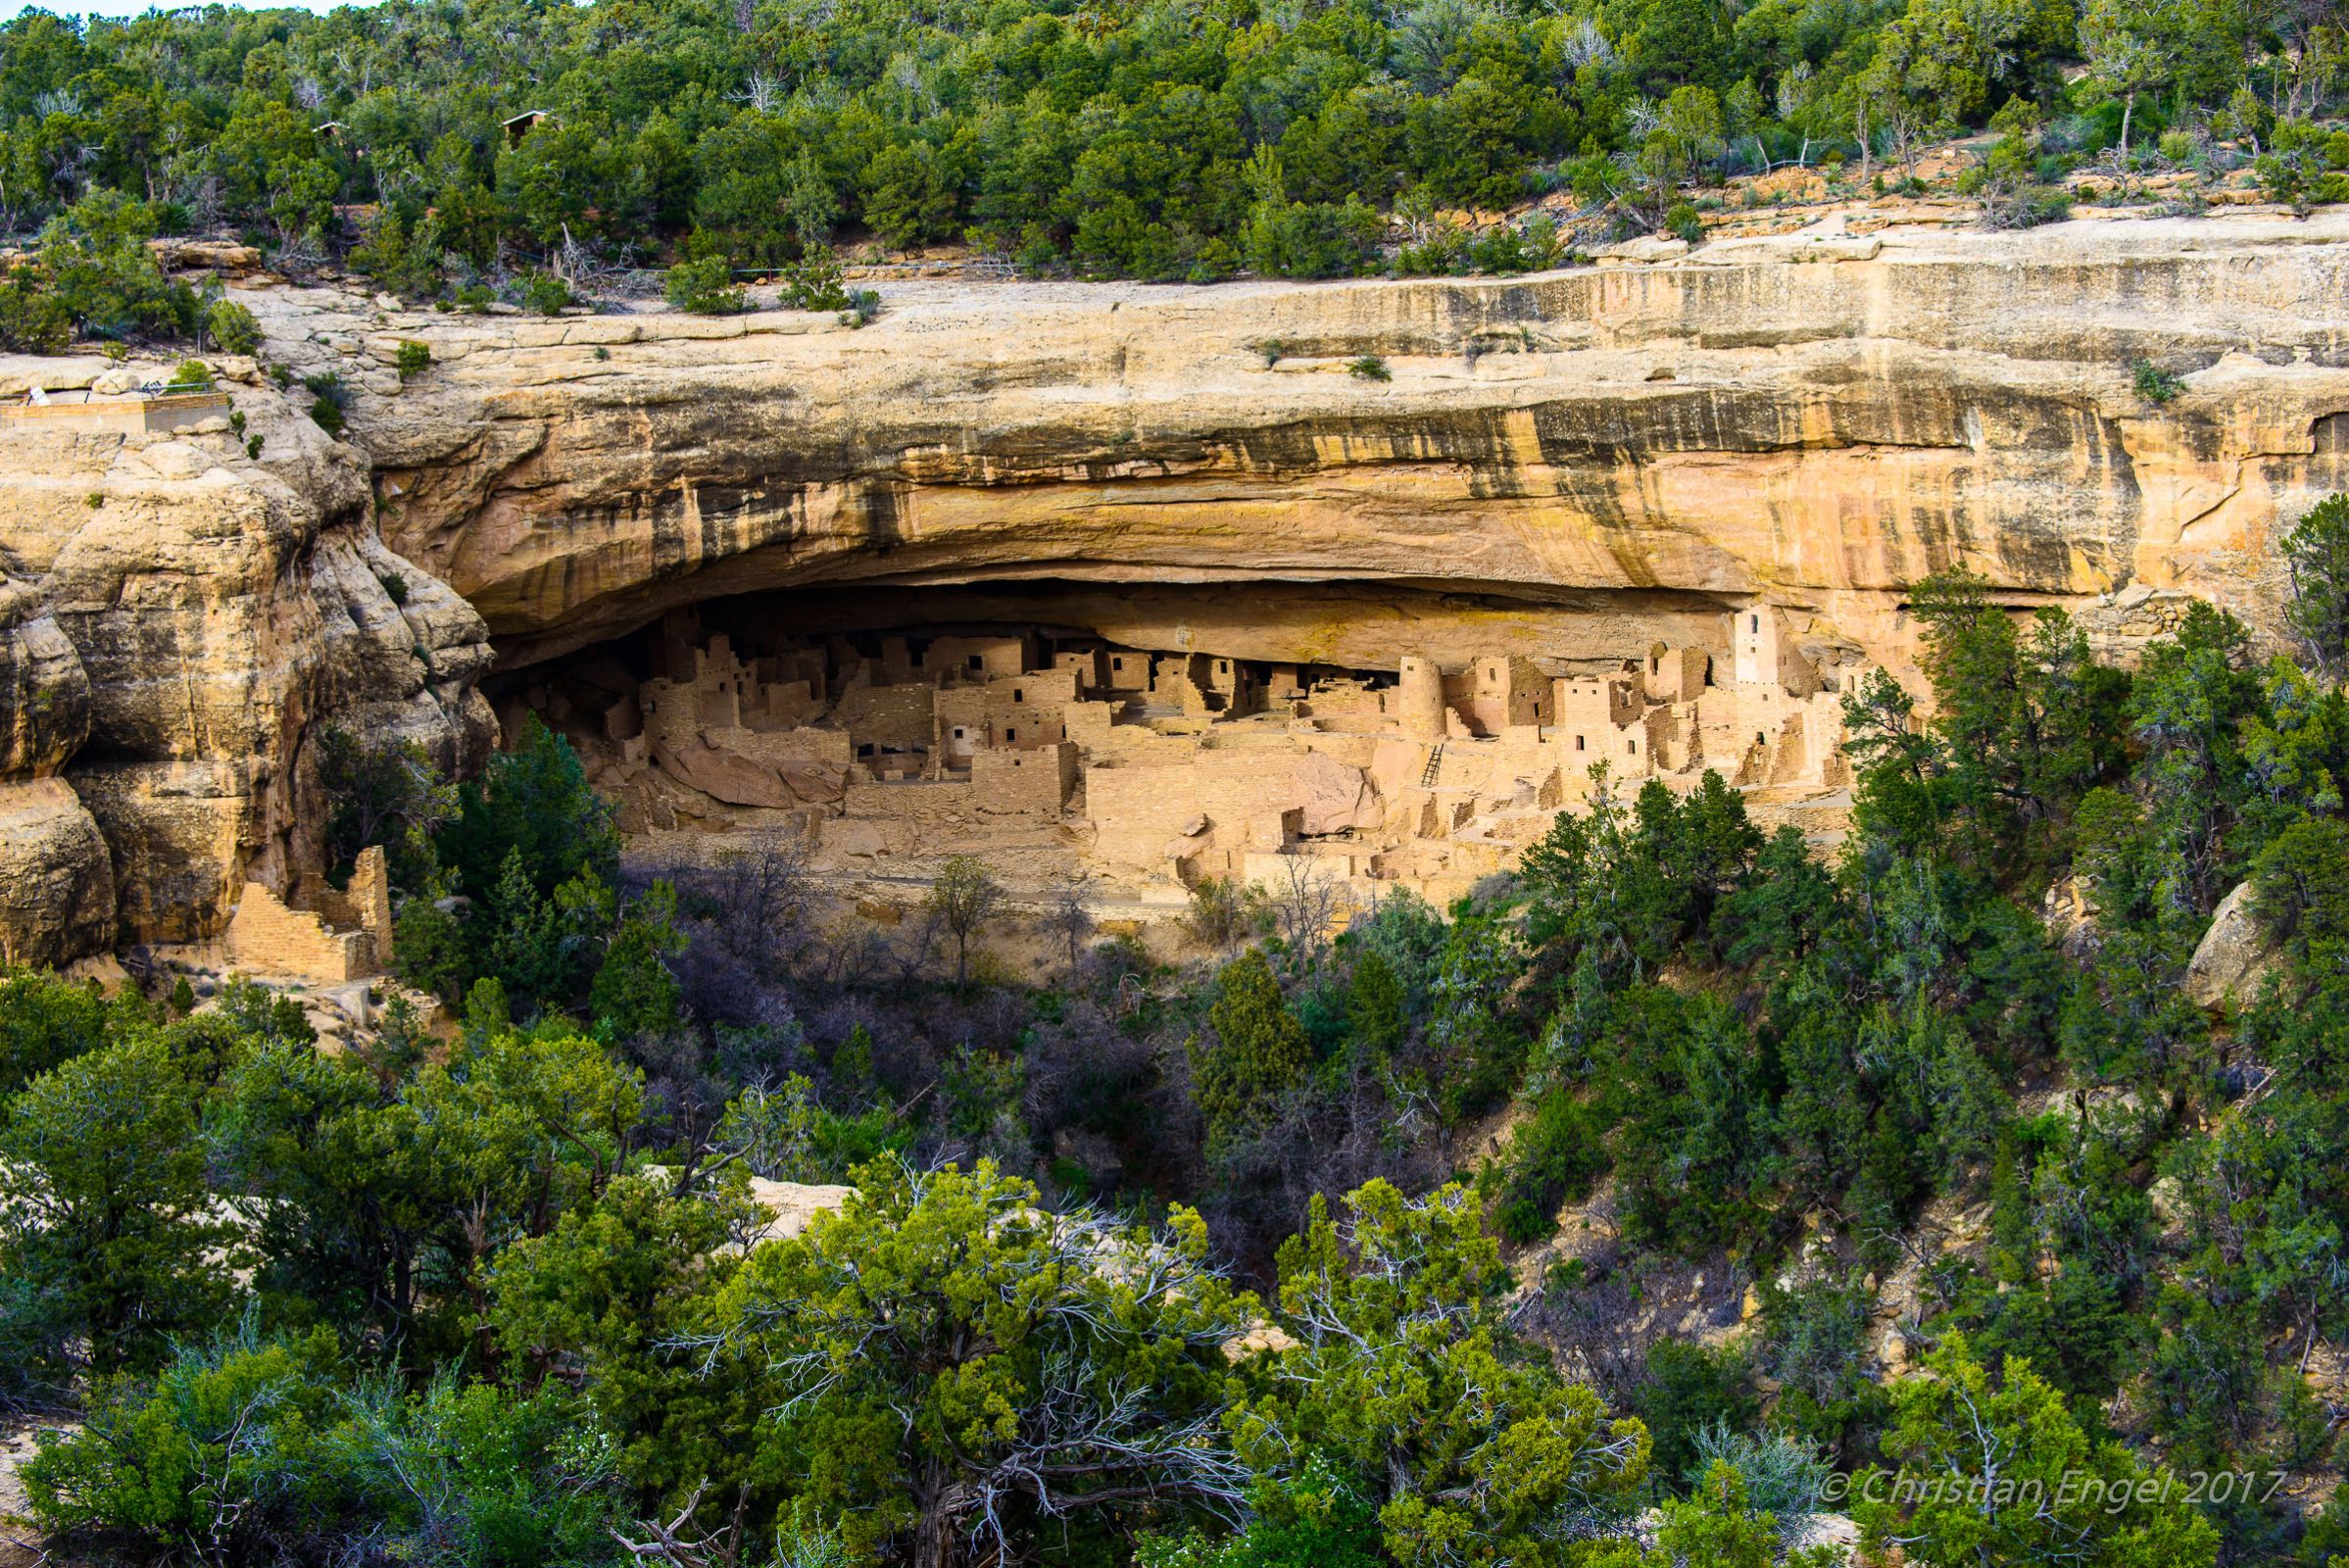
723,776
793,1205
57,887
219,255
814,782
851,836
2234,958
1647,247
2068,913
1335,796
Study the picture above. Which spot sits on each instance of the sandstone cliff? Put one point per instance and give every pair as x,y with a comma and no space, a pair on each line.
1816,421
176,619
1566,467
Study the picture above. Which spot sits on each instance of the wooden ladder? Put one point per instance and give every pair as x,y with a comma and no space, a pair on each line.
1435,768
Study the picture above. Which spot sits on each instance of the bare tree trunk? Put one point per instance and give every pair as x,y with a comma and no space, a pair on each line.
935,1542
741,15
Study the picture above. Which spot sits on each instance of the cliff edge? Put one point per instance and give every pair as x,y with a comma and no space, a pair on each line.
1815,418
181,614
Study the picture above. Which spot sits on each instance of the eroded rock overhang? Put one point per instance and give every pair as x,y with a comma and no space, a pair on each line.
1809,423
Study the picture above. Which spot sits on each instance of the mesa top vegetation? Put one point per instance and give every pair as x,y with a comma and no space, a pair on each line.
450,147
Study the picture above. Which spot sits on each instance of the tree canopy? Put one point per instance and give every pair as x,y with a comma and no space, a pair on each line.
457,151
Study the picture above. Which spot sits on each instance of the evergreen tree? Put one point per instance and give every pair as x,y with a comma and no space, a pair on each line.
1257,1051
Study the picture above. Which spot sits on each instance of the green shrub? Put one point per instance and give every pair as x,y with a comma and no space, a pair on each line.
1258,1050
94,259
190,374
1312,239
1215,261
704,288
46,1021
1682,220
789,1135
1318,1519
2014,207
32,319
329,397
266,1448
1815,1344
1221,912
544,293
1506,248
813,282
1443,252
232,329
401,255
1688,1390
93,275
2153,383
411,359
1552,1160
1370,368
1784,1474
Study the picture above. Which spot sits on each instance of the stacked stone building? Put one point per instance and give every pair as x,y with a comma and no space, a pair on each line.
1156,765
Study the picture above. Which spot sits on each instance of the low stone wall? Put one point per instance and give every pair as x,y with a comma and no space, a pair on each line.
119,416
267,938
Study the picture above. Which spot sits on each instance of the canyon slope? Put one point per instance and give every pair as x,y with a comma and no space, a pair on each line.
1565,467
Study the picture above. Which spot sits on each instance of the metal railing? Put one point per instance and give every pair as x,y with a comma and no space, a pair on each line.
77,396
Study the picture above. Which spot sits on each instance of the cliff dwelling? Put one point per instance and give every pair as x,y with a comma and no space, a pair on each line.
1153,762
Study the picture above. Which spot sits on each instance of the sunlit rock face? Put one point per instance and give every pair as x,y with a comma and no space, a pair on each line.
1568,467
179,620
1816,422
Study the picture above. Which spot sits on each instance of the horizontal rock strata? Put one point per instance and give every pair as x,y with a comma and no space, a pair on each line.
1814,421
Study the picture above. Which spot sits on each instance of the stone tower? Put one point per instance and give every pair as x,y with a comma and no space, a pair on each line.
1419,697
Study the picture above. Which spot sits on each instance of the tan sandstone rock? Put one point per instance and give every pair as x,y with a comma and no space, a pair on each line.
57,891
1335,795
44,692
178,625
724,775
2233,957
1564,466
794,1204
1842,414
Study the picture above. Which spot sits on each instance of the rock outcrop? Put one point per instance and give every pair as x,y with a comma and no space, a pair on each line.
1817,422
179,618
2234,958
